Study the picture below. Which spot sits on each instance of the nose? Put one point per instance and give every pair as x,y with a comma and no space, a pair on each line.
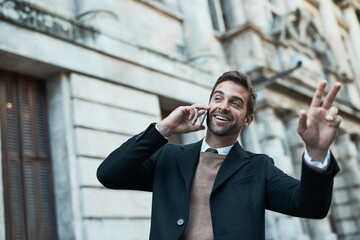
224,106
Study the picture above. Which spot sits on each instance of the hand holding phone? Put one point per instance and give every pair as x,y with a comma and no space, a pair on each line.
203,119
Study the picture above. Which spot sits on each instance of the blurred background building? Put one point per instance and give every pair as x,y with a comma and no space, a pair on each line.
79,77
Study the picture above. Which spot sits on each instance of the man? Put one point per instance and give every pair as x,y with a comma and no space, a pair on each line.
199,194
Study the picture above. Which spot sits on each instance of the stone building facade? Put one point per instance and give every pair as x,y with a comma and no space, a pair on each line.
109,68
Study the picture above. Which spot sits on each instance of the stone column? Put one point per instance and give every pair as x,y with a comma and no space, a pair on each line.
346,206
354,30
199,36
256,14
63,156
332,34
251,142
238,13
273,142
354,37
318,229
356,139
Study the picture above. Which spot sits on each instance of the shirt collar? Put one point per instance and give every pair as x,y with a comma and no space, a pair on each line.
222,151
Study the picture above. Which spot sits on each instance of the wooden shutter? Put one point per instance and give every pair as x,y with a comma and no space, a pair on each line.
29,203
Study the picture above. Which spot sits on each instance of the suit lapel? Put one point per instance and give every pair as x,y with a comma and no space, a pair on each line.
236,158
187,159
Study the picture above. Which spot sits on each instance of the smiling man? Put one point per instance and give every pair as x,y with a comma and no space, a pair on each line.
214,189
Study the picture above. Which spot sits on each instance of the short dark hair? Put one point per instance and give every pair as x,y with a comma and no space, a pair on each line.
243,80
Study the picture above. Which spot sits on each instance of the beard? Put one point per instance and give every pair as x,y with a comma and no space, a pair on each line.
223,129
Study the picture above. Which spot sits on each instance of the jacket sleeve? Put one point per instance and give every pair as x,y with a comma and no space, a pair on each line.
131,165
308,198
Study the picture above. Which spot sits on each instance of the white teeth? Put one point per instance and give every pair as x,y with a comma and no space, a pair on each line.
221,118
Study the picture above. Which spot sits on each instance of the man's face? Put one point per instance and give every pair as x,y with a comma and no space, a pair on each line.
228,105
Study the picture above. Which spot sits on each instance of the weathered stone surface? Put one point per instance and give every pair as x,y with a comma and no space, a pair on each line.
107,118
116,19
111,94
106,203
125,229
87,174
21,12
96,143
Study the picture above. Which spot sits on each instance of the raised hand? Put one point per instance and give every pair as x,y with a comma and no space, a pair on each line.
182,120
318,128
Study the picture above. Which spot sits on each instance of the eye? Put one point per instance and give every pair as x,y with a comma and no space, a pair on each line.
236,104
217,98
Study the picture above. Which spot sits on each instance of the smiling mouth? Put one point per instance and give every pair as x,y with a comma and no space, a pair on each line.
222,118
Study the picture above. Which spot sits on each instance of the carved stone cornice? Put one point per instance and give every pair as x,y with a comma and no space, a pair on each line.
348,3
315,3
32,17
240,29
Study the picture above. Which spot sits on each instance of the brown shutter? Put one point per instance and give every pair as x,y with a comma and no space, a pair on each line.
14,202
27,168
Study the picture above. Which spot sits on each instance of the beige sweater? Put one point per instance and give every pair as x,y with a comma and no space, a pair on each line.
199,225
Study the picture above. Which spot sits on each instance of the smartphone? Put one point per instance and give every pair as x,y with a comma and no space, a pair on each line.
203,119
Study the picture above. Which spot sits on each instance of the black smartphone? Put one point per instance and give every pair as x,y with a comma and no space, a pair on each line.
203,119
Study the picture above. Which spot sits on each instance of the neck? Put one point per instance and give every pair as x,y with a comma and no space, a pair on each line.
220,141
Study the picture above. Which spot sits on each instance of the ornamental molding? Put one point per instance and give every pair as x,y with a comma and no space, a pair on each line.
299,28
32,17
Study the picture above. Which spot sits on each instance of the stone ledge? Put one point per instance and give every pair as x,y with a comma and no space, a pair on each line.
28,15
32,17
162,8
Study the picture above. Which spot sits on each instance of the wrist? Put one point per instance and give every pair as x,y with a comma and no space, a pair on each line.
163,129
317,155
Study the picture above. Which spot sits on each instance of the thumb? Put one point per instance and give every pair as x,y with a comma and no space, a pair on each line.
302,122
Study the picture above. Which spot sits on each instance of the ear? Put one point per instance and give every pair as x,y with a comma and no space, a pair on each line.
248,120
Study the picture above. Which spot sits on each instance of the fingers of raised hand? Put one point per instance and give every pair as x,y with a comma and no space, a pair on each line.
331,114
330,98
316,100
332,117
337,121
302,122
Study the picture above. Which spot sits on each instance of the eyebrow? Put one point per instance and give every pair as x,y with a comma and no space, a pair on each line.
233,97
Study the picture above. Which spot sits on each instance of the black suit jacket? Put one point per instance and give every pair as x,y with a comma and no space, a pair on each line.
245,186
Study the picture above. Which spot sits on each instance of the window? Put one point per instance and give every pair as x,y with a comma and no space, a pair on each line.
221,14
28,194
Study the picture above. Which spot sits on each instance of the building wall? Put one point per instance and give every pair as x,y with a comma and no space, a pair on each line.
113,67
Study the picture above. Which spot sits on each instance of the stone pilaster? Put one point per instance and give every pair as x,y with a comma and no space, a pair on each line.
249,138
318,229
251,142
332,34
354,38
273,142
238,13
346,206
356,140
256,14
201,46
354,30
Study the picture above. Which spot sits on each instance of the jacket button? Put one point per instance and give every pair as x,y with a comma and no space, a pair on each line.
180,221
